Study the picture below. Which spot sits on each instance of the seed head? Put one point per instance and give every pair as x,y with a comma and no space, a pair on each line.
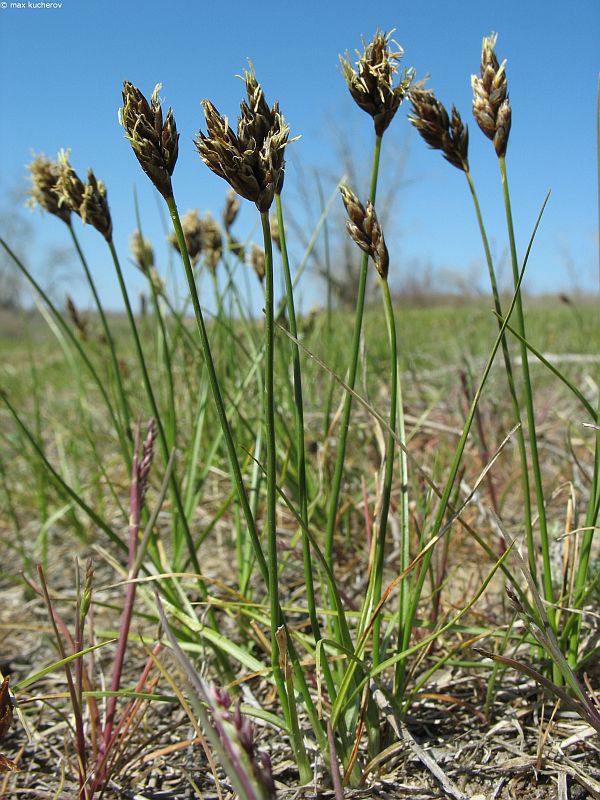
231,210
86,596
364,228
275,232
491,106
440,132
191,224
155,142
142,252
257,261
212,241
44,173
79,323
88,200
147,457
251,160
371,84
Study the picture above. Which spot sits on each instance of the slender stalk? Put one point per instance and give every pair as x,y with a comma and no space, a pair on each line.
389,470
573,627
511,382
527,388
271,455
351,378
74,341
235,467
301,453
221,656
125,411
299,415
216,391
164,444
443,507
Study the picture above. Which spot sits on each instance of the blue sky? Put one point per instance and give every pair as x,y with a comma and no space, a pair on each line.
63,69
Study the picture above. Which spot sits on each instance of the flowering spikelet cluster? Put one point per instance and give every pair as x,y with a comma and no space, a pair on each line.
191,224
364,228
155,141
212,241
240,732
44,173
257,261
230,212
142,252
145,463
440,131
202,236
88,199
372,83
79,323
491,106
252,159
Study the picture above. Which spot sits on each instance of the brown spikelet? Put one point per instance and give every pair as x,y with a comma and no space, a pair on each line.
191,225
440,131
88,200
212,241
364,228
44,173
155,141
231,210
371,84
251,160
257,260
142,252
275,233
491,106
78,321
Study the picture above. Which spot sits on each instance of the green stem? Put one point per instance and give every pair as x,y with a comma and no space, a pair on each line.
275,615
351,379
573,626
301,454
511,383
222,657
234,463
299,414
389,470
75,342
125,412
527,388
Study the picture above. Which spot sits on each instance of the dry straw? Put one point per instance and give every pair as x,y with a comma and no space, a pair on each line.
371,84
441,131
251,160
155,141
491,107
364,228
